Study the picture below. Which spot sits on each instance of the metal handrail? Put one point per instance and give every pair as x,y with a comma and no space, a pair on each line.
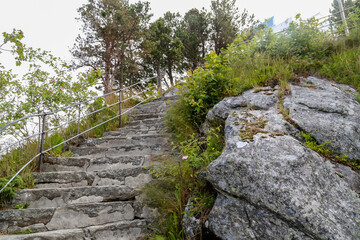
43,132
20,119
86,115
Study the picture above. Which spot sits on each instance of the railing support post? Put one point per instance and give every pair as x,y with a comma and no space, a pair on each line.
120,121
42,141
343,18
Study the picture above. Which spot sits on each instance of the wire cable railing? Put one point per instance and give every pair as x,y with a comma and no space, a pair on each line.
41,134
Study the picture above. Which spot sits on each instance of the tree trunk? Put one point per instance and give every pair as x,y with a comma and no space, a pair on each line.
170,76
158,79
108,84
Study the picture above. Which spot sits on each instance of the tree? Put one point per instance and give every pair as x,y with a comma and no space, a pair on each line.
194,34
7,85
226,22
174,52
46,86
164,50
111,29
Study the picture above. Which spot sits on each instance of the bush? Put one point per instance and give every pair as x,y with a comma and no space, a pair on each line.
206,87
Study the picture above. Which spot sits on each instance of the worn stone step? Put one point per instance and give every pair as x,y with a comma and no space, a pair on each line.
59,197
129,132
140,125
123,230
143,116
158,106
57,164
88,164
145,123
67,217
138,149
131,177
66,234
116,141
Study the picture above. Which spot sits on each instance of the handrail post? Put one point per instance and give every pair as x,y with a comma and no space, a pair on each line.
42,141
120,121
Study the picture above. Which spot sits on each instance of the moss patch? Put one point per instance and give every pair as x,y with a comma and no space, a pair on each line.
250,125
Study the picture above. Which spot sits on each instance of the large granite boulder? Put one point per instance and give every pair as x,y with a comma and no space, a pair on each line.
270,185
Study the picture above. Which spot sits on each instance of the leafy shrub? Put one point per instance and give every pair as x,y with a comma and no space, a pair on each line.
205,87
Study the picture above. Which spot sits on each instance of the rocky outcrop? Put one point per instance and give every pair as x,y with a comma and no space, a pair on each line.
270,185
329,112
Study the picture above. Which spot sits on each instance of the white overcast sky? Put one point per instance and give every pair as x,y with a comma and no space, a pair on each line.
51,24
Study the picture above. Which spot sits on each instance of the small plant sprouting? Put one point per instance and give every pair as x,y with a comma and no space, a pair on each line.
27,231
327,153
311,143
358,98
22,206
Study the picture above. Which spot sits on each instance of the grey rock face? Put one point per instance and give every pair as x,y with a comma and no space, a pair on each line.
329,112
191,225
245,221
263,98
271,186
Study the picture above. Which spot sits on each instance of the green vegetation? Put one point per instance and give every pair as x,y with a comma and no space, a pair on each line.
178,180
269,60
22,206
311,143
170,45
9,192
27,231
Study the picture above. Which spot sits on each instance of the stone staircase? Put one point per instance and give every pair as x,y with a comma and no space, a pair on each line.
96,193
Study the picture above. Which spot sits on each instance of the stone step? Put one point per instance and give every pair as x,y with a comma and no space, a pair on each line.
59,197
126,230
143,116
129,132
138,149
116,141
131,177
66,234
158,106
67,217
145,123
88,164
123,230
